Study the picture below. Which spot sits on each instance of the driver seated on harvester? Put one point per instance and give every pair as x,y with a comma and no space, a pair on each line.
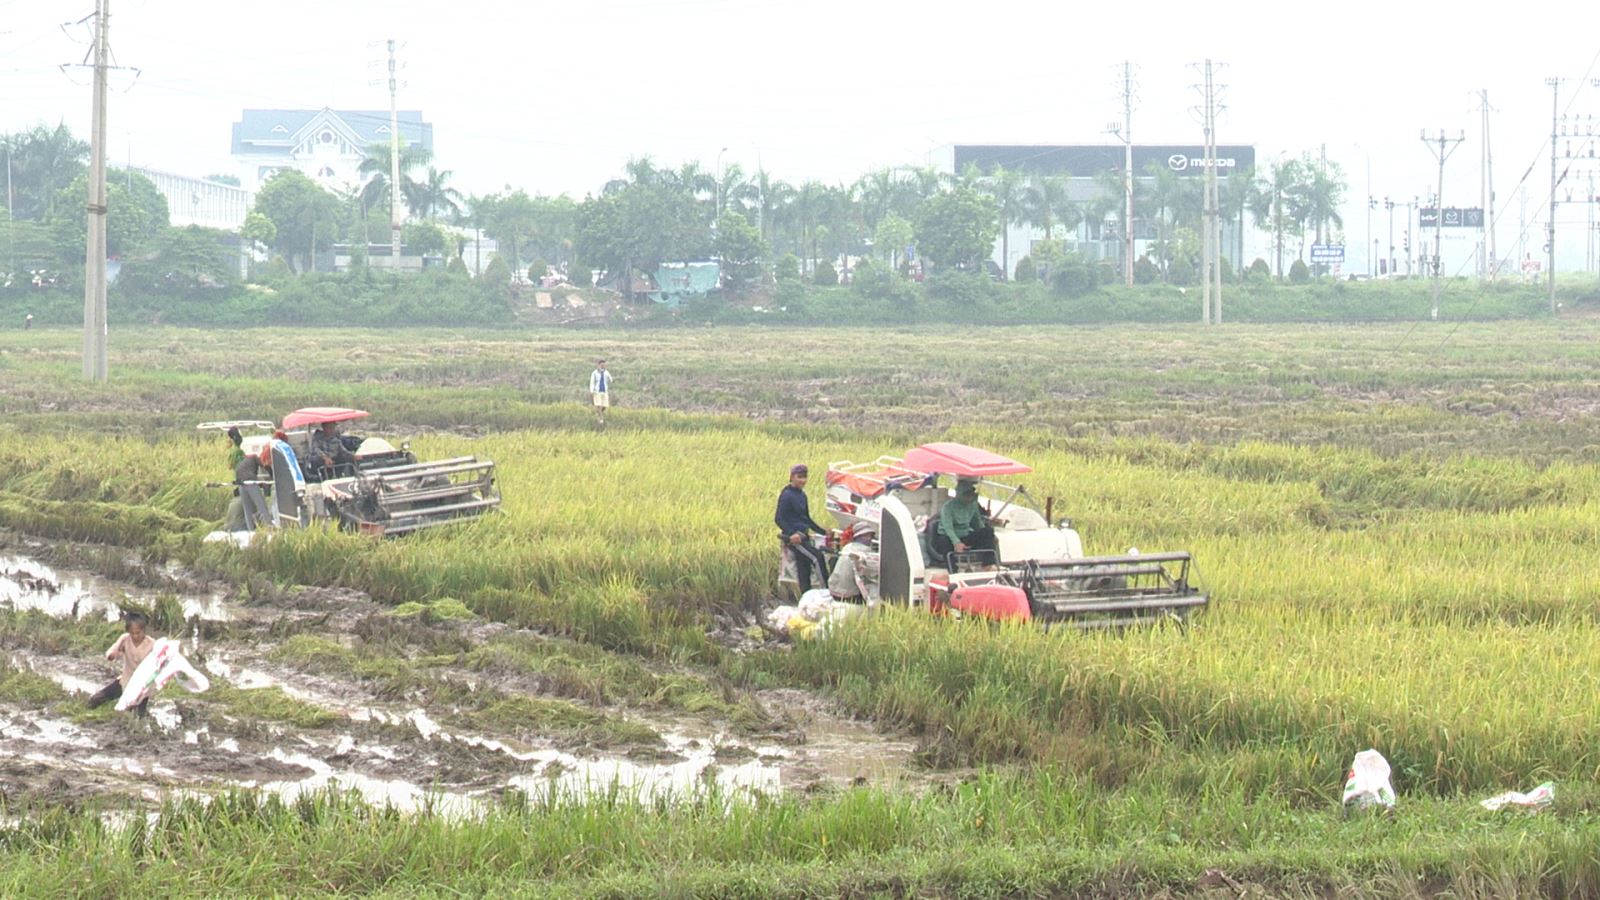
329,457
962,527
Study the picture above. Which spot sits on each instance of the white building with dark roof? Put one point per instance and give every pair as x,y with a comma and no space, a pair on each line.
328,145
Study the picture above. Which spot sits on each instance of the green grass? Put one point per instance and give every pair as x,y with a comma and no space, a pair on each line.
1046,835
1397,525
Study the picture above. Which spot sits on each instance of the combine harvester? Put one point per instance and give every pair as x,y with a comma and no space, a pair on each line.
1038,572
385,491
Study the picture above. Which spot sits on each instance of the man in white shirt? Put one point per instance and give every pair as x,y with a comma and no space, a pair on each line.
600,391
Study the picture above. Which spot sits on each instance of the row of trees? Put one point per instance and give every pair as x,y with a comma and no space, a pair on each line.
653,214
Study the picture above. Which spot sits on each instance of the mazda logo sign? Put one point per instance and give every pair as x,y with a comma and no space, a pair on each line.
1178,162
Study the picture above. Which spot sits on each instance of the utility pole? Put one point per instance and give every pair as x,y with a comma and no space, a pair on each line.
1208,232
11,216
1389,205
94,278
1550,229
1214,197
1446,147
1522,226
1486,253
1127,170
394,170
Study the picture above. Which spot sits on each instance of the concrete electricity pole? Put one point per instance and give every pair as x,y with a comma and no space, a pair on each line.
94,278
394,170
1127,170
1550,229
1488,264
1446,147
1211,220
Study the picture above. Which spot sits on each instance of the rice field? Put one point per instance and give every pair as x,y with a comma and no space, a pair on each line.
1397,527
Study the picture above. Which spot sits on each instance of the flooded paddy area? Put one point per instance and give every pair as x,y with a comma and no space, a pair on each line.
415,707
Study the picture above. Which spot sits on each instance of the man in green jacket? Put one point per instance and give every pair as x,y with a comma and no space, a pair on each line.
962,524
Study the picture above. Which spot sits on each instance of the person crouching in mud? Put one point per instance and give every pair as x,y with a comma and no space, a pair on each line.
133,646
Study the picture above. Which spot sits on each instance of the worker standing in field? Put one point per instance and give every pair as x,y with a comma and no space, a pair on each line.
795,527
962,524
249,507
600,391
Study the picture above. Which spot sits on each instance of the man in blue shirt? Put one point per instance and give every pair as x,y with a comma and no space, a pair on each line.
795,527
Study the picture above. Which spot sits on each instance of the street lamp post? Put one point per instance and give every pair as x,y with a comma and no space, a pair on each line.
718,215
1372,262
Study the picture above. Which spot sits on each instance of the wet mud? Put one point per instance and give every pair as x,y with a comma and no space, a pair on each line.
412,728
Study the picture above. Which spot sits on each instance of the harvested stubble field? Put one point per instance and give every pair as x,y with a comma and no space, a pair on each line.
1397,525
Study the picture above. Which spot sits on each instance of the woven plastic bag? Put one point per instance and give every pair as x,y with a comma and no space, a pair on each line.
1533,801
1368,782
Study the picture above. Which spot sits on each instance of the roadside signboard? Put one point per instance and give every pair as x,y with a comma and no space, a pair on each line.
1327,253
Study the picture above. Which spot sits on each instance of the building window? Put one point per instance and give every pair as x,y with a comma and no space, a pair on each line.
326,137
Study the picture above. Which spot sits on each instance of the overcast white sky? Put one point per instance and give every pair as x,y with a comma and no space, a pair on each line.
555,97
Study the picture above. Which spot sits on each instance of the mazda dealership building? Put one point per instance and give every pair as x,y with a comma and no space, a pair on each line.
1084,164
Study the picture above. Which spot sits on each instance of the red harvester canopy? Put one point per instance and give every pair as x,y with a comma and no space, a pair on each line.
316,415
948,458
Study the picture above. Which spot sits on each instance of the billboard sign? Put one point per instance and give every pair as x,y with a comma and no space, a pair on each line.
1454,217
1088,160
1327,253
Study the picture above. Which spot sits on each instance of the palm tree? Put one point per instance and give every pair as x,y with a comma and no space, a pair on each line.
729,190
433,195
1049,203
1273,202
768,197
876,193
42,162
377,166
1168,194
1319,194
1010,193
915,186
808,209
1233,198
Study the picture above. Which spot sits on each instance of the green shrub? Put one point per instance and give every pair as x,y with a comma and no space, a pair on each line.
1026,273
1299,273
497,273
1072,276
579,274
1145,271
787,268
1258,271
960,289
825,275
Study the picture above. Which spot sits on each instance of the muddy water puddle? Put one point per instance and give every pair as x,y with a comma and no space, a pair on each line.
387,750
398,764
26,583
